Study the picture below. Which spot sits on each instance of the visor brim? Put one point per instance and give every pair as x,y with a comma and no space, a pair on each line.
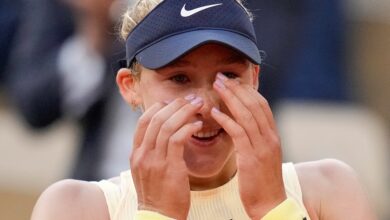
169,49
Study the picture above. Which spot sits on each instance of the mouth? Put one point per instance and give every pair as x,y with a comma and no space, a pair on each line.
207,137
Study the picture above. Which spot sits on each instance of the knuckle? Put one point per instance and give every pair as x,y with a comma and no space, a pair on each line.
144,165
253,104
274,150
136,162
132,156
263,101
157,119
139,159
274,140
143,121
246,118
133,164
167,127
159,105
238,133
175,140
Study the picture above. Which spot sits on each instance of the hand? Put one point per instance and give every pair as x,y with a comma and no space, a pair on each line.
157,164
93,22
93,8
257,145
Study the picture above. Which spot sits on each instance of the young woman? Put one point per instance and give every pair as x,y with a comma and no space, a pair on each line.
206,146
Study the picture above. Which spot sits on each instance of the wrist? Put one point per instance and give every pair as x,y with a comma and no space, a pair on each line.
287,210
171,214
259,211
150,215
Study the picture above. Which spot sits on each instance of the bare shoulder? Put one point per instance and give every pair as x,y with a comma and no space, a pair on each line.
333,190
71,199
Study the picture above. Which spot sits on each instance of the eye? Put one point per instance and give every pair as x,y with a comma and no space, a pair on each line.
180,78
230,75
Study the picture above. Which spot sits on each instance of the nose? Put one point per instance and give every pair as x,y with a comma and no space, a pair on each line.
210,99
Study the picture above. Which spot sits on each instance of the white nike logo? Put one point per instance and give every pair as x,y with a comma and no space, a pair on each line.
186,13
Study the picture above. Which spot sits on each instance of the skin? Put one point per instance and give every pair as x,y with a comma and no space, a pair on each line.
93,22
196,94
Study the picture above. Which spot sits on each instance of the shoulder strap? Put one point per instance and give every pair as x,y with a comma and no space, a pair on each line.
112,194
292,185
127,204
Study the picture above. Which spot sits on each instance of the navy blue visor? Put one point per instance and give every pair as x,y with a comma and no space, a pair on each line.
175,27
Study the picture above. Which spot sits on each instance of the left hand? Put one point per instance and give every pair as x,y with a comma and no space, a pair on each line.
257,146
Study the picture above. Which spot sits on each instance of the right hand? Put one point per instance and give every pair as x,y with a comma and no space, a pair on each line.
93,22
158,168
94,8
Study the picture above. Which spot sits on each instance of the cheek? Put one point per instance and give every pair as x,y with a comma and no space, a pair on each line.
159,94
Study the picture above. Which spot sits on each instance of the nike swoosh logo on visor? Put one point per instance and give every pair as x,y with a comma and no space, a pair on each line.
187,13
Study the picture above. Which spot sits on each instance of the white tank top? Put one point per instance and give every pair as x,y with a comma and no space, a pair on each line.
222,203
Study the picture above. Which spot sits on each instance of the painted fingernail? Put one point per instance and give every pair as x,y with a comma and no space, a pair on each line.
189,97
219,83
215,110
221,76
197,101
198,123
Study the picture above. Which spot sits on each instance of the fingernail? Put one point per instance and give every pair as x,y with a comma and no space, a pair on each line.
221,76
219,83
189,97
198,123
215,110
197,101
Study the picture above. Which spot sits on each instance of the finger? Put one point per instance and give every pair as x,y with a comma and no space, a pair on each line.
250,100
234,130
174,123
157,120
143,123
264,117
177,140
240,112
266,108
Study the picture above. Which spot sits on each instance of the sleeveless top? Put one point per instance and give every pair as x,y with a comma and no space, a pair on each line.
222,203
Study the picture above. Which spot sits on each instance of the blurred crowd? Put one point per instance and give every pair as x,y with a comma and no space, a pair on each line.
60,66
58,61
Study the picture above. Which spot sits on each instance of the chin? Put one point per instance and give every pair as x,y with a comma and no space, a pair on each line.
206,167
209,159
203,170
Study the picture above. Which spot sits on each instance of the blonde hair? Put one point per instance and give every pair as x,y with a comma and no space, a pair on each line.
138,11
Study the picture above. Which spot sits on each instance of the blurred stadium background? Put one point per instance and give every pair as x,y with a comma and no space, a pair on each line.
358,134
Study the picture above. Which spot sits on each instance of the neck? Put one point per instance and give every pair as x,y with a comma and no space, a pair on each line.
206,183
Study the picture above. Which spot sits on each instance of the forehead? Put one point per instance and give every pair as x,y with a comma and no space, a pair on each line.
216,54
